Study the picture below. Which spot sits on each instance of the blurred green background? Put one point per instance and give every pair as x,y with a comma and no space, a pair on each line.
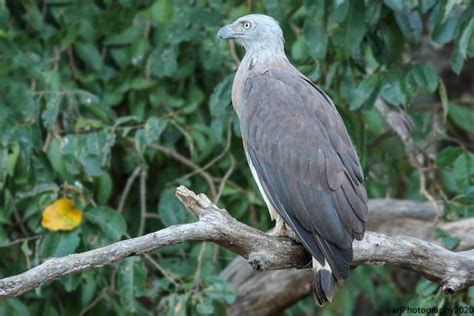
114,103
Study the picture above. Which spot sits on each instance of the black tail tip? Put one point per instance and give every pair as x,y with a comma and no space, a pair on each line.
324,286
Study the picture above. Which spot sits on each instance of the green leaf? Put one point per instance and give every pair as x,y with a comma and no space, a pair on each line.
90,55
273,8
104,185
410,24
153,128
140,140
128,35
51,112
395,5
176,304
3,166
461,116
372,14
450,4
70,282
425,76
443,96
299,49
25,249
163,61
447,156
426,287
444,32
351,32
141,83
337,15
315,32
460,51
219,106
220,97
139,50
206,307
131,280
88,288
449,242
195,98
457,61
111,223
427,5
16,307
464,169
362,93
56,157
218,289
170,209
92,150
59,244
391,89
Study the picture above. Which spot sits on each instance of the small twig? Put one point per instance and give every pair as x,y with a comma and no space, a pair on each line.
94,302
153,216
20,224
72,63
128,187
19,240
190,164
428,196
141,226
296,29
225,178
197,274
218,157
56,58
171,277
233,54
184,132
113,279
46,142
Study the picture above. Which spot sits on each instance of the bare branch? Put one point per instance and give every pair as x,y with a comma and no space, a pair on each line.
269,292
400,122
141,226
454,271
188,163
128,187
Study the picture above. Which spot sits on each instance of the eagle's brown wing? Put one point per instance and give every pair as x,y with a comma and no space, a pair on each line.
306,164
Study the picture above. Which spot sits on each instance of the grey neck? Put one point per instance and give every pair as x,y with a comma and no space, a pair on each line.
265,52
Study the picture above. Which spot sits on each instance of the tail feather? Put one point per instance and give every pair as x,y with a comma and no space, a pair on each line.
324,287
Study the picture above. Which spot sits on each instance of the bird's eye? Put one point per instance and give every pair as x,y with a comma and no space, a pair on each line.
247,25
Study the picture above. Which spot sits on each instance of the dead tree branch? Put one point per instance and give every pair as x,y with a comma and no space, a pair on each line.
269,292
454,271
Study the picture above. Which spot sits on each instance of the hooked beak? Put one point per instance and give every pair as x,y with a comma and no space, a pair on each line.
226,32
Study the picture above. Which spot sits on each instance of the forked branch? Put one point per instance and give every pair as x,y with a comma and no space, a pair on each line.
453,270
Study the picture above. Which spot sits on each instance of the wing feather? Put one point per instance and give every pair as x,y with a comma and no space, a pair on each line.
306,164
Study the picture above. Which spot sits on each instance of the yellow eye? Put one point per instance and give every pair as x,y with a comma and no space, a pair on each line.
247,25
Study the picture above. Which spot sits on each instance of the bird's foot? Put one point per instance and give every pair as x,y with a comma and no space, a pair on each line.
280,229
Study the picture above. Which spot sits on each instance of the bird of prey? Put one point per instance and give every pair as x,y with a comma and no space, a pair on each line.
299,152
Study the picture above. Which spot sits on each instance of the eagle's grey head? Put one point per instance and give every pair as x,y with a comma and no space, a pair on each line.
255,32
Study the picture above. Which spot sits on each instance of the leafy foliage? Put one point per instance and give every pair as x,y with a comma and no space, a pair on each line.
111,104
